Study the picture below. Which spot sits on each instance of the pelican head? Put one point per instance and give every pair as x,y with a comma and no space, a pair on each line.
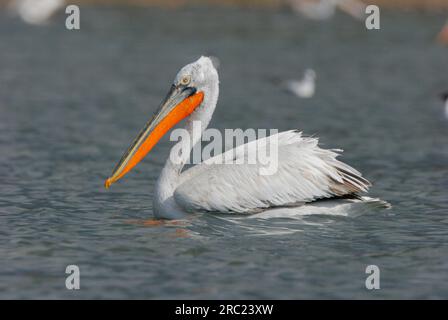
186,96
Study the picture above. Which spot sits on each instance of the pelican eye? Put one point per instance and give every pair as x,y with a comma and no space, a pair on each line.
185,80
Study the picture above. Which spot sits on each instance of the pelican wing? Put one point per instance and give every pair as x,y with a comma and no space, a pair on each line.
304,174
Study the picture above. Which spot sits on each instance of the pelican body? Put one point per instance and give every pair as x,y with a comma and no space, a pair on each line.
36,12
305,172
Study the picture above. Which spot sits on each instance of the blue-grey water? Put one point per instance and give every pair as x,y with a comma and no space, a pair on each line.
71,102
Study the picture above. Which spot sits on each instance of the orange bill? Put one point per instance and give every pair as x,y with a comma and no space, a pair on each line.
178,105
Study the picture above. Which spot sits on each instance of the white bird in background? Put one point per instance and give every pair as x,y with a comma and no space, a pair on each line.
304,88
444,97
316,10
36,12
325,9
305,172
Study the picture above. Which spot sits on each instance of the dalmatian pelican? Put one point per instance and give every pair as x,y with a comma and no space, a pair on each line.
305,173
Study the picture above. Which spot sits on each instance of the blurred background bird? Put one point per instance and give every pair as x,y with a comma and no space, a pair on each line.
305,87
36,12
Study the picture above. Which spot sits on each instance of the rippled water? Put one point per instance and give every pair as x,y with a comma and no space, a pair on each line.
70,102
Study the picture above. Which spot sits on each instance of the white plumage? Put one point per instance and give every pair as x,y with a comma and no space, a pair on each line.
317,10
305,171
304,88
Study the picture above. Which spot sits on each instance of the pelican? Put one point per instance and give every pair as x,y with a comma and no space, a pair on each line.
305,173
325,9
303,88
316,10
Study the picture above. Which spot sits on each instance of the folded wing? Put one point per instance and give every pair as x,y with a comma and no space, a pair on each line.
304,174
